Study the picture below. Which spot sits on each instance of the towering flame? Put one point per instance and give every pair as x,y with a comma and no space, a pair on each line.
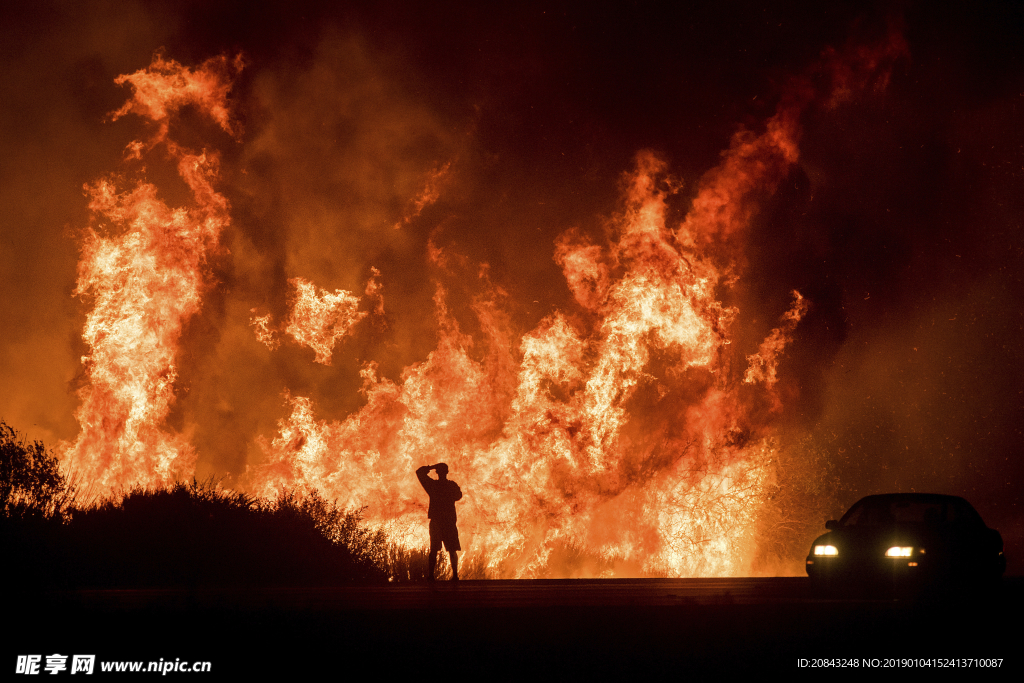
144,268
631,429
553,445
631,432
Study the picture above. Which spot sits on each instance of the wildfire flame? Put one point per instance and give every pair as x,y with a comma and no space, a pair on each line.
627,429
428,195
144,267
319,318
545,445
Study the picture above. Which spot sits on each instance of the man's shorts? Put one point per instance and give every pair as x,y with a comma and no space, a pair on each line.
444,532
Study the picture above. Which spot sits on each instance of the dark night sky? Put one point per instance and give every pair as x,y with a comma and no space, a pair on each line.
901,223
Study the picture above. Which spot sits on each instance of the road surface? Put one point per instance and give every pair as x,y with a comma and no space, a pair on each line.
508,630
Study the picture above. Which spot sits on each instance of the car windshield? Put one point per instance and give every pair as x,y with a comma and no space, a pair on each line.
889,511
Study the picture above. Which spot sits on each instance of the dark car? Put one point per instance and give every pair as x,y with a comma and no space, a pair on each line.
907,538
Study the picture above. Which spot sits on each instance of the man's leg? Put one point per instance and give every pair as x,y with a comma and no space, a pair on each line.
455,564
435,547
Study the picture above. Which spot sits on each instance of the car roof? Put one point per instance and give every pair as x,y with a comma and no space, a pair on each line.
915,498
901,499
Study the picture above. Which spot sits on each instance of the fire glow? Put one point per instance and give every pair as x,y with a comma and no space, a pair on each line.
629,427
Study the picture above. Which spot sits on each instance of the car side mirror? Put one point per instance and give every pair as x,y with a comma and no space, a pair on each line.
832,525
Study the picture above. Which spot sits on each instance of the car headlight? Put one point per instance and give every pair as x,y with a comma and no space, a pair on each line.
825,550
899,551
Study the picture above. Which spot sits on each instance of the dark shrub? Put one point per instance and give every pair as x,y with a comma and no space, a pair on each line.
35,502
186,535
31,482
193,535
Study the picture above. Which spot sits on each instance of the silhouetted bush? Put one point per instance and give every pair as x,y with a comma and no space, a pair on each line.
35,501
196,535
31,482
186,535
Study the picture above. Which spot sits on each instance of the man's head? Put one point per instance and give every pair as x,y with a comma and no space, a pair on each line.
441,469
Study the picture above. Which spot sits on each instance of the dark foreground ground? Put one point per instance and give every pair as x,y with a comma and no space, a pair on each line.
508,630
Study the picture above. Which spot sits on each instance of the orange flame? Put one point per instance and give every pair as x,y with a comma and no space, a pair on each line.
144,269
430,193
262,326
319,319
166,86
544,444
764,364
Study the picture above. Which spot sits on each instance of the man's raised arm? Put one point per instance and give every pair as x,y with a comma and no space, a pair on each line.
425,481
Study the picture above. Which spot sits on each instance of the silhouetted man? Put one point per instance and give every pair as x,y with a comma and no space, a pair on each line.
443,493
